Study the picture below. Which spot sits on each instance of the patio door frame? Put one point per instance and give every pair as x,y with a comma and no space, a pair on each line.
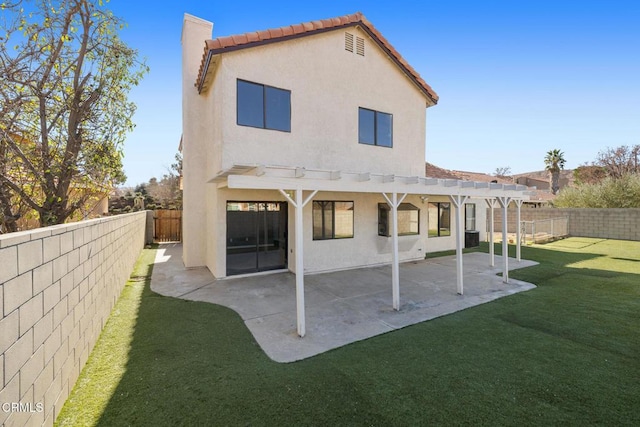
260,236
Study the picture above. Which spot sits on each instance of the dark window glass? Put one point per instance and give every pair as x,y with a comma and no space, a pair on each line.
439,219
470,217
375,128
383,220
264,106
250,104
384,129
332,220
256,236
408,219
277,109
366,126
343,220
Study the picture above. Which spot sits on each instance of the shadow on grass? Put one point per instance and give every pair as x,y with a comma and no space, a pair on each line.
627,259
563,353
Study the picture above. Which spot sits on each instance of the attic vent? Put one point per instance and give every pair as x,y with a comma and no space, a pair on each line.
348,42
360,46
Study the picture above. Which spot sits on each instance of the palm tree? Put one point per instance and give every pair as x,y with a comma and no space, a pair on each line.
554,162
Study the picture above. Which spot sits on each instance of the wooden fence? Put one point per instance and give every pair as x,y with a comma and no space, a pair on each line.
167,226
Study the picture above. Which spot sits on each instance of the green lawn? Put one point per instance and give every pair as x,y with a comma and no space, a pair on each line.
567,352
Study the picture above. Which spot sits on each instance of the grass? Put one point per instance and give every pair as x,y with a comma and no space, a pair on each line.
107,364
563,353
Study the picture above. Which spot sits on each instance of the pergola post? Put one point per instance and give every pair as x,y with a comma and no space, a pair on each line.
299,203
395,263
492,258
518,231
504,203
459,201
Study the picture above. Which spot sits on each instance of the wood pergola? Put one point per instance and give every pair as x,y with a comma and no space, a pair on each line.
299,186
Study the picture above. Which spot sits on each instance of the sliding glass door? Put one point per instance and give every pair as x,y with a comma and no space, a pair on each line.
256,236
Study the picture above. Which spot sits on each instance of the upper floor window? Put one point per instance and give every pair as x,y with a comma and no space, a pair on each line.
264,106
375,128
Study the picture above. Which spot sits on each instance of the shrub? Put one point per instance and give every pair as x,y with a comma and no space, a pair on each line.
623,192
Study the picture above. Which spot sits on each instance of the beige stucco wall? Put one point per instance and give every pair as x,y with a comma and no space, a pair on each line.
366,248
197,130
327,85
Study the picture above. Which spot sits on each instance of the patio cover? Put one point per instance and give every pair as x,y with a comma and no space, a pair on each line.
293,182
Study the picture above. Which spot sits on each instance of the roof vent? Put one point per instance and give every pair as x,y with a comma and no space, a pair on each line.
360,46
348,42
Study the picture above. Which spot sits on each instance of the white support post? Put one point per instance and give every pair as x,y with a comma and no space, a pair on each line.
299,203
504,203
459,201
395,263
518,236
492,256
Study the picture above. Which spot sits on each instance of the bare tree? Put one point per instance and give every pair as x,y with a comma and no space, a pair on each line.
503,172
620,161
166,192
64,110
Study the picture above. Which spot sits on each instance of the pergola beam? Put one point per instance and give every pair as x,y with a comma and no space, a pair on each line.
360,183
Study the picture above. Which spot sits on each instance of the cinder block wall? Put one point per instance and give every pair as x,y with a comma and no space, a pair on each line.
57,288
623,224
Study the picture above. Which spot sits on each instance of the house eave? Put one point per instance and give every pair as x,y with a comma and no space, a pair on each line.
228,44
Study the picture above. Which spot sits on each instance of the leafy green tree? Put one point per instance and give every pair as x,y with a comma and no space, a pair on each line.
64,107
554,162
622,192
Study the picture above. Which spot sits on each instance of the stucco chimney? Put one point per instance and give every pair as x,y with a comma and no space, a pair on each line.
194,33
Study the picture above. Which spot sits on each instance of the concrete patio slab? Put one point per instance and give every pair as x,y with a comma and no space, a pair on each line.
341,307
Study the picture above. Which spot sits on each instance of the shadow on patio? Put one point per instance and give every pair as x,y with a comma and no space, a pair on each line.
341,307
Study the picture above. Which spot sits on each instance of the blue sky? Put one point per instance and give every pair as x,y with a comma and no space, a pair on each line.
515,78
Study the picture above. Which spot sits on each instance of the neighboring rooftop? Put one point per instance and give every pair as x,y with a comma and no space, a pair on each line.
543,175
541,195
433,171
225,44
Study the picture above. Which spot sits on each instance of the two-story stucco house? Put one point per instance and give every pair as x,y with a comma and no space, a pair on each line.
304,150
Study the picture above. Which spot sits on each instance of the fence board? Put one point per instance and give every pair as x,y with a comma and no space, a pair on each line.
167,226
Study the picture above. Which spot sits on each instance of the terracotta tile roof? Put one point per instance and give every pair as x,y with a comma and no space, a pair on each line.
256,38
433,171
483,177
